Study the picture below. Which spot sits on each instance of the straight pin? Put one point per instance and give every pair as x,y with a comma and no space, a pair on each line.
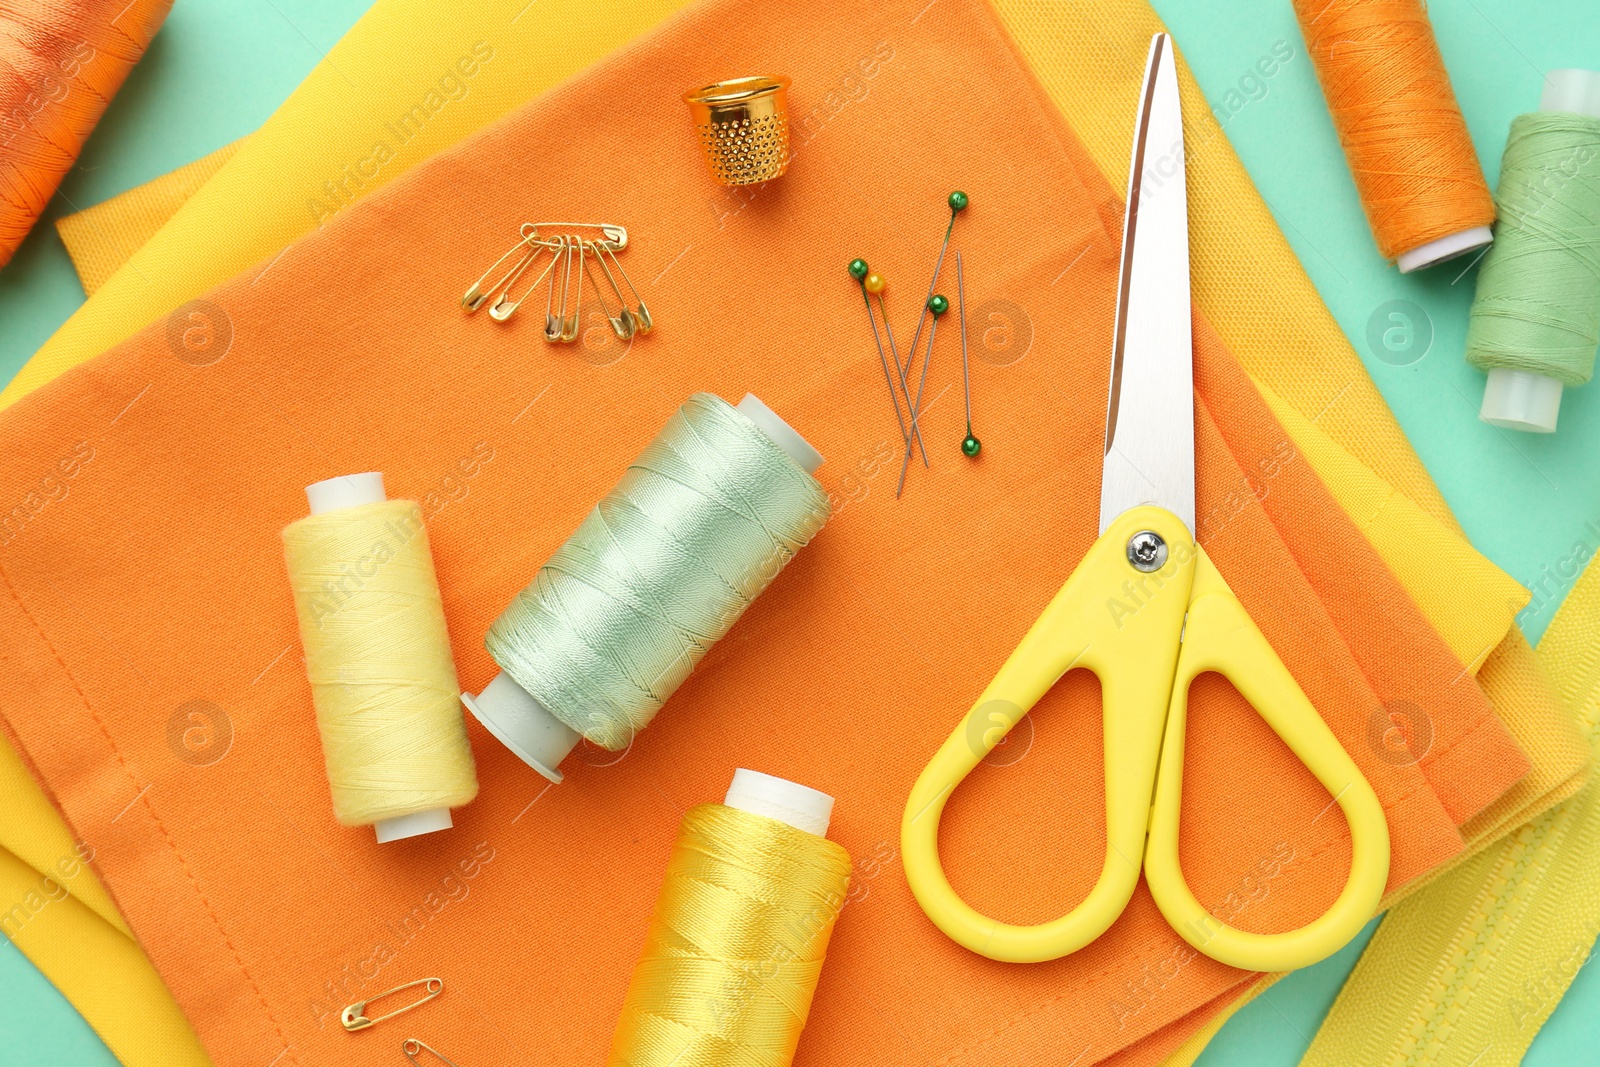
970,446
938,305
874,284
958,203
858,271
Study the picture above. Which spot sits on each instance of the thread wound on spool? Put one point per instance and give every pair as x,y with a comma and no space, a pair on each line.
1397,118
698,526
378,659
732,956
1537,307
63,62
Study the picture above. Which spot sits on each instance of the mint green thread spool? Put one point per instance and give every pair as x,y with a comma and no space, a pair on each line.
1536,316
699,525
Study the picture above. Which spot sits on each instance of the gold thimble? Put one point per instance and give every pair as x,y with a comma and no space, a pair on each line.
744,128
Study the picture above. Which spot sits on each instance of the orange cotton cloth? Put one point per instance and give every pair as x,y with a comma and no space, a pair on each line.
150,576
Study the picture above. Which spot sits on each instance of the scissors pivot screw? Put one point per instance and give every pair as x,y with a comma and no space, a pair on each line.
1147,551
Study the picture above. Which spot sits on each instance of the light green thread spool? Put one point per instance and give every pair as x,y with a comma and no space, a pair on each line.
609,628
1536,317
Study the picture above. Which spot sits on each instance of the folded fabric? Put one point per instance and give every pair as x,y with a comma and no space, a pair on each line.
1472,965
54,909
217,866
100,239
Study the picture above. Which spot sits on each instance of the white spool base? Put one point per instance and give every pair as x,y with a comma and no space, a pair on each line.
345,491
783,435
523,725
418,822
1456,244
1521,400
800,806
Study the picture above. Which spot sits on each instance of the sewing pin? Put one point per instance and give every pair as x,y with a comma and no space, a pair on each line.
858,271
938,305
354,1017
970,446
958,203
874,284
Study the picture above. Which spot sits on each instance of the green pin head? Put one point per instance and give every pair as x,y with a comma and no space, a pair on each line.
971,446
958,201
858,269
938,303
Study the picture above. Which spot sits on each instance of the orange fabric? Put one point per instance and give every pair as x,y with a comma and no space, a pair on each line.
151,576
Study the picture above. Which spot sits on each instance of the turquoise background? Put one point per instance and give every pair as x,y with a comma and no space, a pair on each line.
217,71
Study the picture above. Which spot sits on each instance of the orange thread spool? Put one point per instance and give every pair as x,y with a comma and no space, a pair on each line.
1400,126
61,62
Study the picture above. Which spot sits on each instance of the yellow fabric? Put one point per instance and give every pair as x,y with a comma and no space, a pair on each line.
101,238
315,155
1471,966
54,909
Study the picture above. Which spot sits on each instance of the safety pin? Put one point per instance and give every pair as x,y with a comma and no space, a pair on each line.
616,237
474,297
642,316
569,324
622,322
552,323
411,1046
502,310
355,1018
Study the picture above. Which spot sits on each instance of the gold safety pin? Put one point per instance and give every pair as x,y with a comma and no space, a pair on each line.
355,1018
504,307
411,1046
622,322
474,297
642,316
616,237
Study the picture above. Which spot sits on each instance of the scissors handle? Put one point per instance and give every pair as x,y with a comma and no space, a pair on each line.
1146,636
1122,624
1220,636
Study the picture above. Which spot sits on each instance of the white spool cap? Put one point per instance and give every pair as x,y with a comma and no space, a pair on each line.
1574,91
1521,399
1447,247
350,491
523,725
346,491
800,806
783,435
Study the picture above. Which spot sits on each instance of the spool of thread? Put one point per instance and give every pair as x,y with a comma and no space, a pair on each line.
378,657
1400,126
61,62
608,629
1536,315
732,956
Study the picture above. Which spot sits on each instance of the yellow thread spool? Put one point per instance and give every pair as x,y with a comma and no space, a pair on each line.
378,658
741,928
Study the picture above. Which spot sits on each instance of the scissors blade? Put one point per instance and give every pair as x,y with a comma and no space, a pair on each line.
1149,456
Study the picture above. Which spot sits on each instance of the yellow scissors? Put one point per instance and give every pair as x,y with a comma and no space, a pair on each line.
1147,612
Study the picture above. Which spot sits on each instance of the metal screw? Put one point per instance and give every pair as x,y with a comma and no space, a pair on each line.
1147,551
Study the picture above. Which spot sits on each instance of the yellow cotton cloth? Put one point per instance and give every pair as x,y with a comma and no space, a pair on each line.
316,154
101,238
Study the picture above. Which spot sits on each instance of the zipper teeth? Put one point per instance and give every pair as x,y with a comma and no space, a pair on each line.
1490,922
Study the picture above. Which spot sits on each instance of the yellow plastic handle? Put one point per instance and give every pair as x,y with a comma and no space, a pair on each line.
1220,636
1122,624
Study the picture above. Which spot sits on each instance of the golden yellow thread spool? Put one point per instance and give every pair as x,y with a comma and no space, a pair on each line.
744,128
741,928
378,658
